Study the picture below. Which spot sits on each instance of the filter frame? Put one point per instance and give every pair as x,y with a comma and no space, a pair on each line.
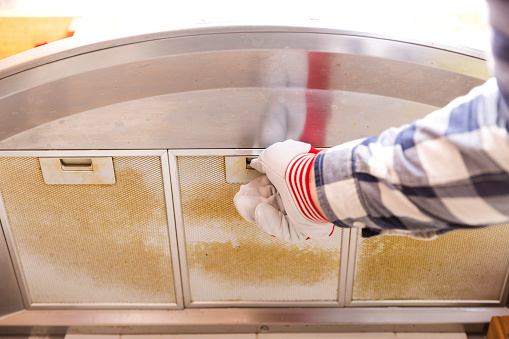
179,219
350,302
169,169
173,247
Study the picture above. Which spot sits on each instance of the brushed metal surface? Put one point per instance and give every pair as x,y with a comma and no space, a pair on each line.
10,294
212,88
170,321
70,47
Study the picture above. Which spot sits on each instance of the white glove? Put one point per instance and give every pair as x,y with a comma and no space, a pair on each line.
258,198
287,211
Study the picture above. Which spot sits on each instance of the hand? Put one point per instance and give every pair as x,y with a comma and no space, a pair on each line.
259,200
279,202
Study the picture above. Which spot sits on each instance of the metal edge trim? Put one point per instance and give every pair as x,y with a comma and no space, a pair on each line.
172,233
181,235
420,303
409,303
343,270
5,316
71,47
350,276
216,151
262,304
179,227
104,306
247,316
79,153
9,286
11,246
504,294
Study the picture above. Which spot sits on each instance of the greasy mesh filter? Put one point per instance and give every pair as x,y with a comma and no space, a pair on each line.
90,243
462,265
230,259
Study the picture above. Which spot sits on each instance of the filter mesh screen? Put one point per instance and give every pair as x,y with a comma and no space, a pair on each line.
230,259
91,243
462,265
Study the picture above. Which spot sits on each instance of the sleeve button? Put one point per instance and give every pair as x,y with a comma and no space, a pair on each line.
358,224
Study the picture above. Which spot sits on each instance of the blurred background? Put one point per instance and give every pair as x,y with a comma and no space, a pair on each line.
25,24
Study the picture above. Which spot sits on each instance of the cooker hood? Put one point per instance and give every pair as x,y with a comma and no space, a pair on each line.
119,159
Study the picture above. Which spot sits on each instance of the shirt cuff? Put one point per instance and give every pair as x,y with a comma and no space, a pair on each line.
337,188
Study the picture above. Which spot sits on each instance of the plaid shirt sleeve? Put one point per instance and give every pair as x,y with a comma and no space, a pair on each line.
447,171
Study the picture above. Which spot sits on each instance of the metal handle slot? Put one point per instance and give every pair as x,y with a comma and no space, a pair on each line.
238,169
76,164
78,171
248,163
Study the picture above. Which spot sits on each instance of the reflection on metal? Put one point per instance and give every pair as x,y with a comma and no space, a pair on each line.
225,88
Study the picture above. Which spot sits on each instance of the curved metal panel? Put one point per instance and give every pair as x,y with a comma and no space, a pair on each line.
227,89
66,48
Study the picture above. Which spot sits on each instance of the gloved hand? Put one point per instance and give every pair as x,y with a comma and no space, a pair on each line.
280,202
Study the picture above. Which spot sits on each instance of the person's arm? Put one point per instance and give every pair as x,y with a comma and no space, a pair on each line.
444,172
499,23
447,171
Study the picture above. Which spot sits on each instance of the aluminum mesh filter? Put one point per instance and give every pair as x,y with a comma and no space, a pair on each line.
90,243
462,265
230,259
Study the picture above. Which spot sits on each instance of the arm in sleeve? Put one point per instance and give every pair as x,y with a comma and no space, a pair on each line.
499,14
447,171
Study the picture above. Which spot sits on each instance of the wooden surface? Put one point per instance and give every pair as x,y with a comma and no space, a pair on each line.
18,34
499,328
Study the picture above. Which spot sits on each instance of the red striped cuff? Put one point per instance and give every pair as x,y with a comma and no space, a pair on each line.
297,178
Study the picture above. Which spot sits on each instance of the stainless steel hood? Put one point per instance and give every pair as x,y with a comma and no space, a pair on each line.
221,87
166,109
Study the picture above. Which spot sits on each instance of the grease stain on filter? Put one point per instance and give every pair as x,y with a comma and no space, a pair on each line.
208,206
91,243
231,259
263,263
462,265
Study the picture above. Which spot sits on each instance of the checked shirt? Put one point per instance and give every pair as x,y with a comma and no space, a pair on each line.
447,171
